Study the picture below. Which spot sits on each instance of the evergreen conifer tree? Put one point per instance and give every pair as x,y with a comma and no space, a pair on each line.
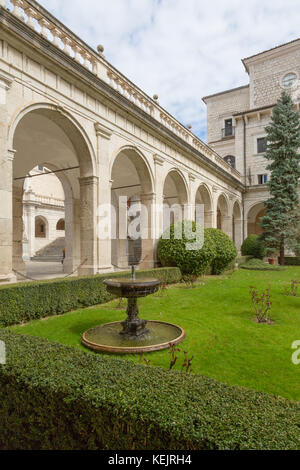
282,208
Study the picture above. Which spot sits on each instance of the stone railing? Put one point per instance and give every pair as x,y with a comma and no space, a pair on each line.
39,19
33,198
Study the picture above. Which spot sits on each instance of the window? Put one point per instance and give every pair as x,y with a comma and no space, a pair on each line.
41,168
228,127
288,80
262,179
40,227
230,159
261,145
60,225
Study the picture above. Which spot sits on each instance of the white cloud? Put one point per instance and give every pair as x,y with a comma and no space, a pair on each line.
181,49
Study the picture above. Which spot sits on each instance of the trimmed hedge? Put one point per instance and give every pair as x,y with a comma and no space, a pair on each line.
57,397
259,265
226,251
292,260
24,302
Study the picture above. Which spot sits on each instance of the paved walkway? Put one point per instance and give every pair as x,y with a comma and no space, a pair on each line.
44,270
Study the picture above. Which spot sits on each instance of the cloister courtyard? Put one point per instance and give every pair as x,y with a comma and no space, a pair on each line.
217,315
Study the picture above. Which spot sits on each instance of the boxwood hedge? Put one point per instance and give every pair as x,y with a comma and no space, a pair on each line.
57,397
258,265
292,260
27,301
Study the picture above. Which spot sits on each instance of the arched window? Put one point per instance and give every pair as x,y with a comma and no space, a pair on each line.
40,227
60,224
230,159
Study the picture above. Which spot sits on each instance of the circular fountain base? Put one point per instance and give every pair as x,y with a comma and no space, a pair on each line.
107,338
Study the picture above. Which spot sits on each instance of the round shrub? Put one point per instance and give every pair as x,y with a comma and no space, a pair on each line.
173,251
226,251
253,246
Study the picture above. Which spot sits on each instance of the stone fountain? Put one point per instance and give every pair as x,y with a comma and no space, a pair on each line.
133,335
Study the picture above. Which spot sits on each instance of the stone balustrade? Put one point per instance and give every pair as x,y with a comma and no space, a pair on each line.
33,198
37,19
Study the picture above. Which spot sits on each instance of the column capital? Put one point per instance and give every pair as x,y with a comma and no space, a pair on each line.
6,80
11,154
147,197
88,180
158,160
102,131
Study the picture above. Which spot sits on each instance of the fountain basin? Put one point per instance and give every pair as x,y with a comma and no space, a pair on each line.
127,288
107,338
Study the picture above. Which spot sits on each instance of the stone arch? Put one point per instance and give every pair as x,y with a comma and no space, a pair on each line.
44,134
132,205
224,220
204,198
139,160
237,224
175,193
69,124
254,215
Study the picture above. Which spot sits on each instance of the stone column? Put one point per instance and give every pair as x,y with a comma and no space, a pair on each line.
88,240
6,178
18,228
238,235
70,261
105,221
189,210
209,219
158,223
6,215
147,231
227,225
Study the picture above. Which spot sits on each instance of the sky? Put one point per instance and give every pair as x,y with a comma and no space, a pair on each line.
181,50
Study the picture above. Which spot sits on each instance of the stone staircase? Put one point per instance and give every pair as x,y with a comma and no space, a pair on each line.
51,252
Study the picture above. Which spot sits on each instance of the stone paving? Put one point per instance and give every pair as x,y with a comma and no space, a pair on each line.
44,270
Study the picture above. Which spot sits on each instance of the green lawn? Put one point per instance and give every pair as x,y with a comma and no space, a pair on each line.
221,334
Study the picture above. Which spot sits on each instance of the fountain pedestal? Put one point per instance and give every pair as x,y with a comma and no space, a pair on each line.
133,327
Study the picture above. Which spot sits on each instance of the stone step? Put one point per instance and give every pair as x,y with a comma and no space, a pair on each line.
51,252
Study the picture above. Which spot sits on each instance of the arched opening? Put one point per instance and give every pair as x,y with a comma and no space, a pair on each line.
60,226
46,141
40,227
132,199
203,199
237,225
175,199
43,205
254,217
224,221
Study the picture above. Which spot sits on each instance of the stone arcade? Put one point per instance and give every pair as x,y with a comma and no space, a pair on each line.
64,107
